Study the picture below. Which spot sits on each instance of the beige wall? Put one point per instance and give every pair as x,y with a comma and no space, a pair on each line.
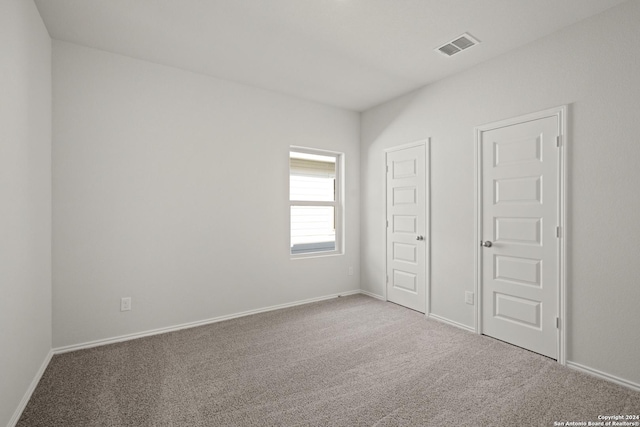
25,206
172,188
593,67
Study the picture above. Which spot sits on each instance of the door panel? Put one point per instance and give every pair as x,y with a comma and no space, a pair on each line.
525,231
406,214
520,213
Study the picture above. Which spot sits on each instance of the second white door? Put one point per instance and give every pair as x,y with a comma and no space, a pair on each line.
520,232
407,239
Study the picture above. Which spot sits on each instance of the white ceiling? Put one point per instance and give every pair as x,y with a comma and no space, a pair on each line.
352,54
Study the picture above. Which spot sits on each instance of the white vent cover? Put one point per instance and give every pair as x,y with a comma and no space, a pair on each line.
460,43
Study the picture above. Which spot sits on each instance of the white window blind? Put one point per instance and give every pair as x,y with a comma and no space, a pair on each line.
314,202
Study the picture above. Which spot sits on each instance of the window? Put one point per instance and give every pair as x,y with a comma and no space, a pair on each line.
315,204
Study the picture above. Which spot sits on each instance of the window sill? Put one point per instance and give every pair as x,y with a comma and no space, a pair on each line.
316,255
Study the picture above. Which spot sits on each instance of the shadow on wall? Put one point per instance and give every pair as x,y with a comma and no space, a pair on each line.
382,120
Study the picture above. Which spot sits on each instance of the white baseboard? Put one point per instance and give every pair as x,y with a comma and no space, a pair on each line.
347,293
34,383
371,294
451,322
136,335
603,375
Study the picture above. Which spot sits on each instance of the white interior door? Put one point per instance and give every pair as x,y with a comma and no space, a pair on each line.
520,219
407,239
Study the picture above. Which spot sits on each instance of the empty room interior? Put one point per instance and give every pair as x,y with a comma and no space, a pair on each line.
323,212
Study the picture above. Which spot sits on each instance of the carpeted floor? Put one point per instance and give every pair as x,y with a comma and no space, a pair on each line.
351,361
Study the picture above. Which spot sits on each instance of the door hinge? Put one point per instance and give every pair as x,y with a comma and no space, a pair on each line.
387,168
387,223
387,278
557,323
558,141
558,232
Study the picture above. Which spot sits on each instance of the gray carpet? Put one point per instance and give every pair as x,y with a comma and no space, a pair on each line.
351,361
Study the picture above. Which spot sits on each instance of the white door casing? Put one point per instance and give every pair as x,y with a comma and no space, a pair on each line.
520,210
407,231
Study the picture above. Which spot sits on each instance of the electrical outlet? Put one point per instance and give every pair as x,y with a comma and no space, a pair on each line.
125,304
350,271
468,297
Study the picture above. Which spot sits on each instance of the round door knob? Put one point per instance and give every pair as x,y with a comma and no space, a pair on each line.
486,244
420,238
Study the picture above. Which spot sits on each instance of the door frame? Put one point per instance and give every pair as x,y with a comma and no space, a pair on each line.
561,113
427,216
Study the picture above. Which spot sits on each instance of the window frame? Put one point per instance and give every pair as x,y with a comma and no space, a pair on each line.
337,203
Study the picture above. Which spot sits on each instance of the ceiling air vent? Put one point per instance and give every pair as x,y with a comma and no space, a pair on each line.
457,45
